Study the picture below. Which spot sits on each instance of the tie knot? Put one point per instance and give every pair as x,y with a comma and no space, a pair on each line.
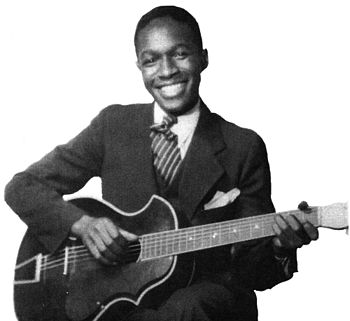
164,126
169,120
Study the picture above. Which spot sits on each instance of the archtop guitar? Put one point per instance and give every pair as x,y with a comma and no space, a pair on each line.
71,285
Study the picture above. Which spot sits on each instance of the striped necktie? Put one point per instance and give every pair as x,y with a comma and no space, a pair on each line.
166,153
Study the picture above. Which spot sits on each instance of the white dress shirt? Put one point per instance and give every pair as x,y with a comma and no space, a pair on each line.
184,128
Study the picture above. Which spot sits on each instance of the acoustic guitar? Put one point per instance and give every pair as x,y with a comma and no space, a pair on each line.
71,285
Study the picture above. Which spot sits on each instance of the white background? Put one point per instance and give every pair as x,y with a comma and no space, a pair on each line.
281,68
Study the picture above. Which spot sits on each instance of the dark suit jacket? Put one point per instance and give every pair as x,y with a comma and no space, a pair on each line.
116,147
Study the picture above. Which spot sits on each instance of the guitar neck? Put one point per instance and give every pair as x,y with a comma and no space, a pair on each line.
202,237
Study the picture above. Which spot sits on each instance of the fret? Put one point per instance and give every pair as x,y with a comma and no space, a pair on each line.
268,225
206,239
264,228
150,250
225,234
165,243
215,236
161,244
256,230
198,239
176,243
244,231
210,235
234,233
170,243
158,245
202,237
154,246
189,241
144,248
183,242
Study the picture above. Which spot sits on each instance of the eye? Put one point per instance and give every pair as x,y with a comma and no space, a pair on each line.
148,61
180,54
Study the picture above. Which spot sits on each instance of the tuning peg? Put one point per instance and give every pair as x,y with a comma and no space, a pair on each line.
304,206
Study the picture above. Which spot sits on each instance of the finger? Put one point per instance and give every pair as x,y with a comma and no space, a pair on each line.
95,236
111,238
104,252
106,246
280,221
92,248
306,231
285,230
277,242
111,229
103,228
94,251
294,223
297,231
311,231
288,237
276,229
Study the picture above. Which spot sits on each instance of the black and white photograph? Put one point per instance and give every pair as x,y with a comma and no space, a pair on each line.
167,161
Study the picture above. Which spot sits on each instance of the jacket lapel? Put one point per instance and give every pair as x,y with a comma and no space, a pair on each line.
201,166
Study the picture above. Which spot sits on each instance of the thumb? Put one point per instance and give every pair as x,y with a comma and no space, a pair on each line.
128,236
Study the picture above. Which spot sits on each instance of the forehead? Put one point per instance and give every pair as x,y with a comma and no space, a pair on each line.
162,33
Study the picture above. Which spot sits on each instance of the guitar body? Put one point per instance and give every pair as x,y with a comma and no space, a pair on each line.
49,288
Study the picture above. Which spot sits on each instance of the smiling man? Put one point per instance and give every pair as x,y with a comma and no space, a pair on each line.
208,169
171,59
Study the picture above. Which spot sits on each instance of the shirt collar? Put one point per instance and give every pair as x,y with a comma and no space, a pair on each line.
190,118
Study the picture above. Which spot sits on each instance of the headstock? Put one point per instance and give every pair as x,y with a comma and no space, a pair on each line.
334,216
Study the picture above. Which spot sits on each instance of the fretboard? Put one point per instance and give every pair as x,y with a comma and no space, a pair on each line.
202,237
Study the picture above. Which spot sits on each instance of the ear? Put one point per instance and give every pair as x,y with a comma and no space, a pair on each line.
138,64
204,59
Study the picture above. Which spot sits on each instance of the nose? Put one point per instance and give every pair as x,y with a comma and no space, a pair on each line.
167,68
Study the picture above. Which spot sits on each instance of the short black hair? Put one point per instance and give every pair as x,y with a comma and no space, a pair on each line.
173,12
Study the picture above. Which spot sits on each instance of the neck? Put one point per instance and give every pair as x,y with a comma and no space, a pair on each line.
188,110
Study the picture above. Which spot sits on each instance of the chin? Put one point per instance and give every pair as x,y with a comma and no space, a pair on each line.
176,108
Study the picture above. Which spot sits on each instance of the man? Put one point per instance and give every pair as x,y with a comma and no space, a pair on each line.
208,169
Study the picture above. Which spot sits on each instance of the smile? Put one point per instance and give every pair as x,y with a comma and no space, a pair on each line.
173,90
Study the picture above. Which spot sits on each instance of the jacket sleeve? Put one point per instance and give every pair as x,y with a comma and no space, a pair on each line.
36,193
256,264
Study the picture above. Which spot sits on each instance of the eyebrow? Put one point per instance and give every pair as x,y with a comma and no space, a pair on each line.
155,52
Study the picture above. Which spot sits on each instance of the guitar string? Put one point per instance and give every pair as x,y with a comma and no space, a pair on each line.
85,255
154,248
152,254
157,243
151,244
196,229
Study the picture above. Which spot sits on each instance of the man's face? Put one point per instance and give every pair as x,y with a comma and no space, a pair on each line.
171,64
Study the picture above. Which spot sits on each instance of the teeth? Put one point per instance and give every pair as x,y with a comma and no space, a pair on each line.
172,90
